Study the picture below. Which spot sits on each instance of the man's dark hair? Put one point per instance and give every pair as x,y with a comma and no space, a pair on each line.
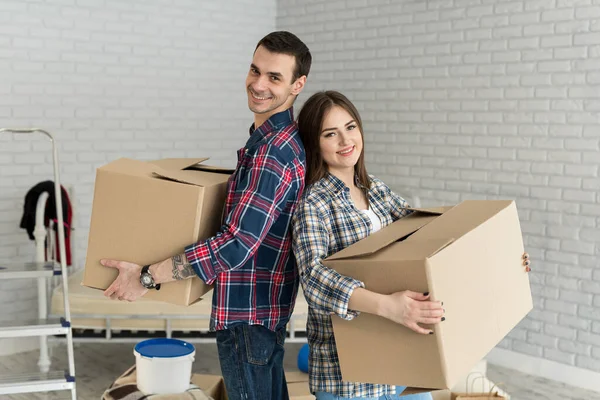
283,42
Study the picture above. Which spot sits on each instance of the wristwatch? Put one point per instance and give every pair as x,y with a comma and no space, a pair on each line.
147,280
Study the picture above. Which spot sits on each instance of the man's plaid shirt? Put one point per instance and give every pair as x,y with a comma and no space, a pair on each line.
326,221
250,259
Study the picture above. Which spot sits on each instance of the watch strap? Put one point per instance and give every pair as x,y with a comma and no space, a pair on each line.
146,270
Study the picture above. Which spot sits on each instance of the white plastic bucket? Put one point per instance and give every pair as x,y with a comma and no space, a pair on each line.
164,366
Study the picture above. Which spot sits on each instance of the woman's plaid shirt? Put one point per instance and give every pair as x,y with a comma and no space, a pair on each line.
325,222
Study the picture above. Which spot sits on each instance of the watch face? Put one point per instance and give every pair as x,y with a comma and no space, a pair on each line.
146,280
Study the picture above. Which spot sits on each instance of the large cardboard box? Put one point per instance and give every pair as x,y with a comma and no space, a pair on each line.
441,395
213,385
475,381
145,212
470,257
297,384
298,389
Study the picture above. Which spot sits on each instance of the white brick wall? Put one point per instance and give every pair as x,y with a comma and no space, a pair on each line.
461,99
484,99
144,79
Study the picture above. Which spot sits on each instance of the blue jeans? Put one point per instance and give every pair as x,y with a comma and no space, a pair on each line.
399,389
251,359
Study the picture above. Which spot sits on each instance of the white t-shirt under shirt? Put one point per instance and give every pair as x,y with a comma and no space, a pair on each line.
374,219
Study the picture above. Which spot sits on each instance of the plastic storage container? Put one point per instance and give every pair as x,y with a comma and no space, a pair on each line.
164,366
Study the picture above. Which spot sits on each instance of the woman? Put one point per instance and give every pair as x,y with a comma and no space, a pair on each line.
341,205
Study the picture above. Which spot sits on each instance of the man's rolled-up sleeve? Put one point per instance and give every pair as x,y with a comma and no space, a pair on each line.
259,197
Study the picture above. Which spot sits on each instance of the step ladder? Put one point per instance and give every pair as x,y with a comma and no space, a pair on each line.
45,380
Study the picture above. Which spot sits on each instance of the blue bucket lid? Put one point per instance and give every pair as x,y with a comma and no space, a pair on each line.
164,348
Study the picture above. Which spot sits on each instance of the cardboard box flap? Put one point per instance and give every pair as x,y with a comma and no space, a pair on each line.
130,167
411,390
413,250
178,164
188,171
390,234
196,164
212,168
461,219
192,177
432,210
185,177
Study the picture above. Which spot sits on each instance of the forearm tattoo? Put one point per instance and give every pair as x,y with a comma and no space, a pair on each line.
181,268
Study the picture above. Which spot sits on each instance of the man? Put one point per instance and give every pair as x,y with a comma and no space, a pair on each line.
249,259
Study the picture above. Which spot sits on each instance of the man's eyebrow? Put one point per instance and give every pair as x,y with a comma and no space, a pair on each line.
277,74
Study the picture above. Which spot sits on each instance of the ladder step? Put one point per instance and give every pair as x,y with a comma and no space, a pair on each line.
35,382
28,270
38,327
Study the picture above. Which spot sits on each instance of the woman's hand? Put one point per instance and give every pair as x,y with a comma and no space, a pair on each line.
526,262
411,309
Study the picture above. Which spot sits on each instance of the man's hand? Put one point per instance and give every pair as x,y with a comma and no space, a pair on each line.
127,286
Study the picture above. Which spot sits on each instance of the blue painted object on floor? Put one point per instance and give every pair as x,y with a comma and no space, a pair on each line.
303,359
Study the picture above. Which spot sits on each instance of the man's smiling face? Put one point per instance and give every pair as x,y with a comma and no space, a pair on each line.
270,86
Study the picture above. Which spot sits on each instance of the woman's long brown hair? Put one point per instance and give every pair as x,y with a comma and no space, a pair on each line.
310,124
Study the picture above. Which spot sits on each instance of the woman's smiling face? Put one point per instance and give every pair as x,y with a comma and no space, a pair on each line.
341,141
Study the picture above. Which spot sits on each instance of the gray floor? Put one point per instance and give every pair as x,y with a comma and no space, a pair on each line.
98,364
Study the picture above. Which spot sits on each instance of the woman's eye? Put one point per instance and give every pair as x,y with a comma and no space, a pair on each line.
330,134
351,127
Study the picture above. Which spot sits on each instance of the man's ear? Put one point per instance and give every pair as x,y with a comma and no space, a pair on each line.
298,85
